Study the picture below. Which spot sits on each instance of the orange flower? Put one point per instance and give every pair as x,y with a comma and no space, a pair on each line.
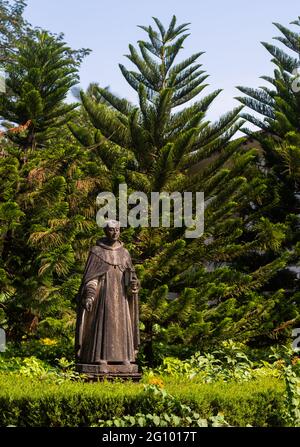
156,381
295,360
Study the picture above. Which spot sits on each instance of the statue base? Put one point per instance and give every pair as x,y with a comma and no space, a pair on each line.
109,371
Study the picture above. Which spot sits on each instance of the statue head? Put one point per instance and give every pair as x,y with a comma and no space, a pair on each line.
112,230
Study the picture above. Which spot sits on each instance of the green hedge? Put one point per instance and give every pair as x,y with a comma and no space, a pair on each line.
258,403
31,402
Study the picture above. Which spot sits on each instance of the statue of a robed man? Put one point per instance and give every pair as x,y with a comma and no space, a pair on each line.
107,330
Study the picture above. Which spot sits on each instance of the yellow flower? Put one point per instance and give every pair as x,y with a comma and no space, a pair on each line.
156,381
48,342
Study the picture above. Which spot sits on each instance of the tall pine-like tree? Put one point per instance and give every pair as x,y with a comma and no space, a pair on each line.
46,179
166,143
277,115
195,292
13,27
37,82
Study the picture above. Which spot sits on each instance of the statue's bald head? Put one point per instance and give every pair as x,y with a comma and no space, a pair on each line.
112,224
112,230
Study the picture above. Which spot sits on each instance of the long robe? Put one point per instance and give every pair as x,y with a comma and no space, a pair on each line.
109,331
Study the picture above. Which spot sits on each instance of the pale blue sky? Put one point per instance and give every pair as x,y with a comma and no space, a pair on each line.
229,31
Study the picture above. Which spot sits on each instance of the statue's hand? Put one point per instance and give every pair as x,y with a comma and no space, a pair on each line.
134,285
88,304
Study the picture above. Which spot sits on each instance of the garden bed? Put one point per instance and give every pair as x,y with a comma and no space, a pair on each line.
33,402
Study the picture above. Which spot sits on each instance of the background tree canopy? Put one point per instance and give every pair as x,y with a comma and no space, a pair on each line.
239,280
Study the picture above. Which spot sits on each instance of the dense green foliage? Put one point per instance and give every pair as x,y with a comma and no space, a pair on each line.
45,231
13,27
238,280
42,227
277,112
32,402
219,389
154,147
37,82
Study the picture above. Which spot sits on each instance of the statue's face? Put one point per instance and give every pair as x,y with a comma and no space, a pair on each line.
113,233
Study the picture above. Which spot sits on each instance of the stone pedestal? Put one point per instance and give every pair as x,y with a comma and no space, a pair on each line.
109,371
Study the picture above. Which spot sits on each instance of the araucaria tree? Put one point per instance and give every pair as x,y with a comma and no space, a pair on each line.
13,27
38,78
40,192
277,115
166,143
195,291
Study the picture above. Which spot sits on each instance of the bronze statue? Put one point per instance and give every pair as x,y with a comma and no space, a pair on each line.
107,330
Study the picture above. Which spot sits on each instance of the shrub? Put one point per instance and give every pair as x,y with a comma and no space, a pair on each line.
28,401
172,413
291,374
227,363
35,368
46,349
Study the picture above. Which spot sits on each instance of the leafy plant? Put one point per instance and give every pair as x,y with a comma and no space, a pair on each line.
227,363
34,368
173,414
291,374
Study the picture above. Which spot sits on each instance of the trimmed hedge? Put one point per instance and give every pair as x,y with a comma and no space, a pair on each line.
258,403
30,402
